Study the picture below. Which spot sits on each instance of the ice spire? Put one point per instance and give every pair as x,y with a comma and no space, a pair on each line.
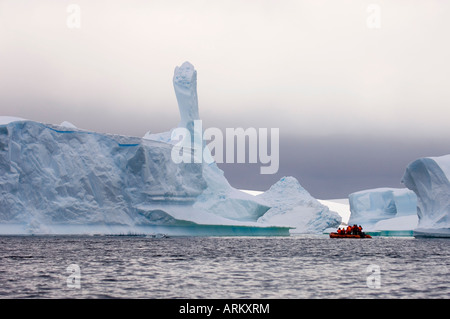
185,85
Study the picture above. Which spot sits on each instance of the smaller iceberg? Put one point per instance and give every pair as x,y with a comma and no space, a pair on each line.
340,206
429,179
67,124
384,209
293,206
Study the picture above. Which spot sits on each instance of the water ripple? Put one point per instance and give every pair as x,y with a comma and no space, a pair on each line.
220,267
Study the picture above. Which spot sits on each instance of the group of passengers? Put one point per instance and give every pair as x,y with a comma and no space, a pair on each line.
350,230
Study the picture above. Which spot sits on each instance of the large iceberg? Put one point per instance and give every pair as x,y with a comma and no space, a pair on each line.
52,176
292,205
376,209
57,179
429,179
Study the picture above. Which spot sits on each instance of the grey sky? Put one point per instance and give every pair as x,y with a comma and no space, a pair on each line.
337,89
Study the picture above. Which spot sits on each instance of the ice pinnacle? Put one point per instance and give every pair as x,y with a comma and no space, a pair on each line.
185,85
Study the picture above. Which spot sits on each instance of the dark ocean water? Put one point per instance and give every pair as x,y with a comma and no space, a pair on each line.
223,267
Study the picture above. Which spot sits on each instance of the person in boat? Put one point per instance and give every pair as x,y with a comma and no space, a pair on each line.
349,230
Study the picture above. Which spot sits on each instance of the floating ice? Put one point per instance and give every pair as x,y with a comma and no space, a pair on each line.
57,179
338,205
67,124
429,179
292,205
72,182
373,205
402,223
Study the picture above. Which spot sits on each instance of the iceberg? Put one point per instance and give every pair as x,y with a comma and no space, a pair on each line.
396,226
57,179
292,205
51,175
428,177
369,207
67,124
340,206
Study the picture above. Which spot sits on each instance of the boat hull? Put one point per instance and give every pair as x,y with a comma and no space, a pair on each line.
336,235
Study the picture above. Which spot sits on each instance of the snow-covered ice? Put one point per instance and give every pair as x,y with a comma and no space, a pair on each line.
67,124
368,207
338,205
401,223
292,205
185,84
428,177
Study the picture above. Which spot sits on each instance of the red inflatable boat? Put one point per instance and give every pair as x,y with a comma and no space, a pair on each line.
336,235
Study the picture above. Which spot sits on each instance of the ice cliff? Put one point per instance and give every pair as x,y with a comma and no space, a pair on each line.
429,179
60,180
369,207
51,175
